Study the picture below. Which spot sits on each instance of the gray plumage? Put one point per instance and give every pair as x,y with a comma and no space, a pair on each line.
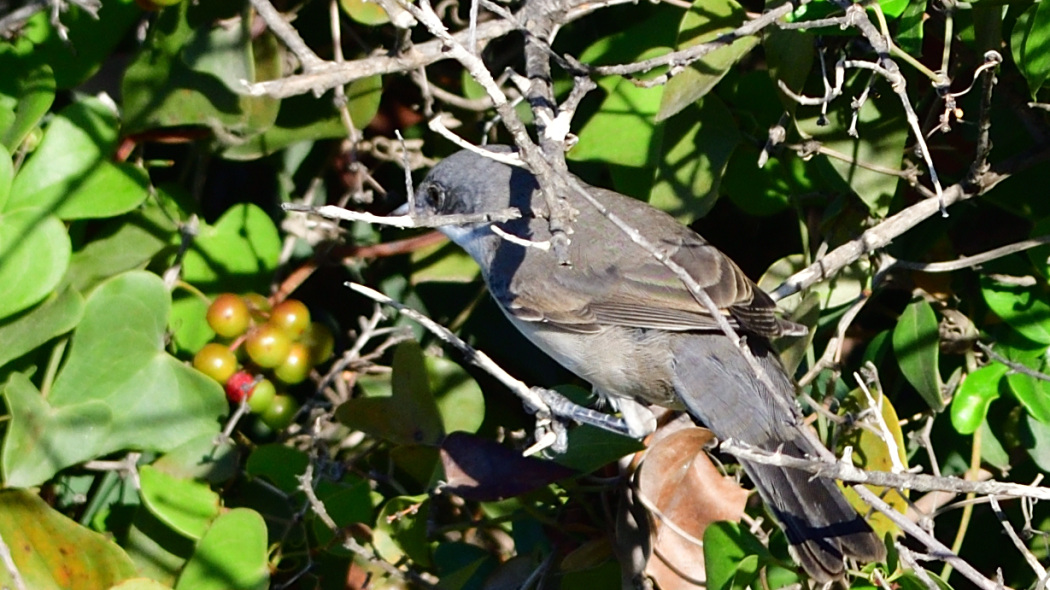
623,321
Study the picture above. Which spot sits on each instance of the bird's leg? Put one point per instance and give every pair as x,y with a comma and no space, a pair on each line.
561,407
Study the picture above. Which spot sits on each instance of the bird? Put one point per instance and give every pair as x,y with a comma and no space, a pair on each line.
620,319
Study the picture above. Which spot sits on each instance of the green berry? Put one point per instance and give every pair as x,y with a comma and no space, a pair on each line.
292,316
280,413
261,398
296,366
267,346
228,315
216,361
319,339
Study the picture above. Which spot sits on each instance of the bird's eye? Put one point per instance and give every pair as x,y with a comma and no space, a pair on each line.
434,197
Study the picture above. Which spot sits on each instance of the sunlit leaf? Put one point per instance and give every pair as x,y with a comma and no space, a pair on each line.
916,345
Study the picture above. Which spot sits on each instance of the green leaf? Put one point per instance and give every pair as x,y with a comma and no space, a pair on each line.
882,131
627,115
790,56
873,454
232,555
695,155
977,392
365,12
590,448
34,254
52,552
57,315
187,506
279,464
706,21
307,118
909,32
1034,395
727,547
139,396
127,243
409,415
7,174
201,458
1034,50
35,92
1024,309
401,530
239,252
189,72
347,502
91,40
459,397
70,174
916,343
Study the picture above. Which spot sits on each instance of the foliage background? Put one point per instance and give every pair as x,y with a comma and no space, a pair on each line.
138,177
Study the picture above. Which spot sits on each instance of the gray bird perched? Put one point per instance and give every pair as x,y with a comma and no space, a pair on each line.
623,321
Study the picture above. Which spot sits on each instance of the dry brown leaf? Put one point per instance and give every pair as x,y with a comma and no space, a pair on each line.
687,492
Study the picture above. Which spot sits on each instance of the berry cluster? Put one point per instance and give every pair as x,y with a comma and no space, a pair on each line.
279,347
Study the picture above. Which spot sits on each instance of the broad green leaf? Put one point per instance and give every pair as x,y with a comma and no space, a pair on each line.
977,392
726,547
706,21
158,552
401,530
203,459
139,397
190,69
882,131
279,464
91,40
70,174
57,315
35,93
916,343
626,114
443,262
695,153
7,174
140,584
409,415
239,251
307,118
1034,395
590,448
347,502
365,12
185,505
34,254
459,397
843,288
790,56
51,552
127,243
1035,52
232,555
870,452
1024,309
909,33
623,132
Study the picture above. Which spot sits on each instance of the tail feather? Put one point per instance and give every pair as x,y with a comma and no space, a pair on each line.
721,391
821,525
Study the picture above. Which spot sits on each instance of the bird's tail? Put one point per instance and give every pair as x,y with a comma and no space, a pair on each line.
820,524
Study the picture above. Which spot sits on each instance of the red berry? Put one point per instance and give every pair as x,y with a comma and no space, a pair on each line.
239,386
215,361
228,315
267,345
291,316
